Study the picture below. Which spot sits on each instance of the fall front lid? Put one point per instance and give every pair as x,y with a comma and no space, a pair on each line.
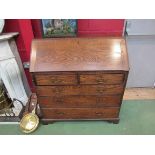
79,54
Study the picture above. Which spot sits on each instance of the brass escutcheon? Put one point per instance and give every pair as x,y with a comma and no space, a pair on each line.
100,81
100,90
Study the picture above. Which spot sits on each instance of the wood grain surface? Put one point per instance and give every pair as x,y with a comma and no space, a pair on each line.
79,90
80,113
83,101
78,54
79,78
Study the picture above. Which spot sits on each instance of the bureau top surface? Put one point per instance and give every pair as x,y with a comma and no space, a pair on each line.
78,54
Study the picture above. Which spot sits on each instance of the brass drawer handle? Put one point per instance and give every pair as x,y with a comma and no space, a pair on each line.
57,90
60,113
99,113
100,81
100,90
55,80
59,100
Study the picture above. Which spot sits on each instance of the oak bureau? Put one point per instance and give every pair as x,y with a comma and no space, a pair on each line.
79,78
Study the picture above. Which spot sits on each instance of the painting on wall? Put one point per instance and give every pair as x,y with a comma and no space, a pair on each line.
59,27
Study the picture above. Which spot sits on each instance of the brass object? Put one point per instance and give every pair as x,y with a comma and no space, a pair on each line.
29,122
60,113
100,81
55,80
5,102
58,90
59,100
100,90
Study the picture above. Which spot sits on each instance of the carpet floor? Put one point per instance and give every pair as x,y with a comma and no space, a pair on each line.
137,117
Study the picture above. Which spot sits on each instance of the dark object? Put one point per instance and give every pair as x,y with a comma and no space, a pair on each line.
5,101
79,78
59,27
6,107
9,114
31,104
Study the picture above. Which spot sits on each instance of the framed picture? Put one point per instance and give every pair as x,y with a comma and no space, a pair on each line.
59,27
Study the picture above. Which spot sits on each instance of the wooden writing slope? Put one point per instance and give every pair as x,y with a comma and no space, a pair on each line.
79,78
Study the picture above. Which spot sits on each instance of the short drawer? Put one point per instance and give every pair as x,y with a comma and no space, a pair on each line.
80,113
101,78
79,90
48,79
79,101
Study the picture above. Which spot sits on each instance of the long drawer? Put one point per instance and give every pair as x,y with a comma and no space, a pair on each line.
79,90
79,101
80,113
102,78
57,79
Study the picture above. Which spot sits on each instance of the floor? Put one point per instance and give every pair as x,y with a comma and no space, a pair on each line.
139,93
136,118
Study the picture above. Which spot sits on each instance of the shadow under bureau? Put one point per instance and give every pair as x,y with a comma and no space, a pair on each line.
79,78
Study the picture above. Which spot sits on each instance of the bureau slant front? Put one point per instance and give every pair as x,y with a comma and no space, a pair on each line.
79,78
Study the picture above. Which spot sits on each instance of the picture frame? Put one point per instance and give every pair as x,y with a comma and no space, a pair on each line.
59,27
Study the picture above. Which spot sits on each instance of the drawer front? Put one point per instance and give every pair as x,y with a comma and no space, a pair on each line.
48,79
79,101
79,90
80,113
102,78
